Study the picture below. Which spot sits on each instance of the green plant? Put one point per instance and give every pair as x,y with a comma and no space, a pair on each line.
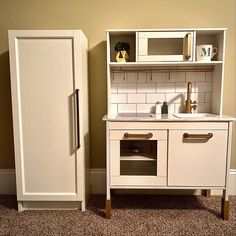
122,46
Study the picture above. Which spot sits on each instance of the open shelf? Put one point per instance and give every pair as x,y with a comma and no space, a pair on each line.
214,38
123,37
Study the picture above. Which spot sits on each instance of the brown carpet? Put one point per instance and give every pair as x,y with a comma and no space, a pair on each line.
131,215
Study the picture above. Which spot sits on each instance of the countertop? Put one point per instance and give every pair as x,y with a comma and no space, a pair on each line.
169,118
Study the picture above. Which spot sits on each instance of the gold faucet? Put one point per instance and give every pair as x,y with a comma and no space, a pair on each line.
189,105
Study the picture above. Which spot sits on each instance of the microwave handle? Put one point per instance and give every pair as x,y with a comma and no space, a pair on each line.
188,46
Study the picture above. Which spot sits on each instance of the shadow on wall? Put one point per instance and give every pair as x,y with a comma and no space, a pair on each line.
97,103
6,124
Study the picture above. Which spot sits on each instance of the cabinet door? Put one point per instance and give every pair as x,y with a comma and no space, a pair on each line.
197,161
137,159
43,87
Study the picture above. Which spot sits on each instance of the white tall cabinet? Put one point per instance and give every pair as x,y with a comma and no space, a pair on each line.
50,116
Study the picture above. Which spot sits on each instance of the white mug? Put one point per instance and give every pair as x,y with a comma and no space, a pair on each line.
206,52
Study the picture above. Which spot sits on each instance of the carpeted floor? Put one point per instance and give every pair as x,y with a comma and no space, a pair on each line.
131,215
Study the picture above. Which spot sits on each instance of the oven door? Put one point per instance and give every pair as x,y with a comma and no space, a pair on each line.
165,46
138,158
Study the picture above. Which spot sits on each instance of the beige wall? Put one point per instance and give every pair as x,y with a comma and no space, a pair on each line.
94,17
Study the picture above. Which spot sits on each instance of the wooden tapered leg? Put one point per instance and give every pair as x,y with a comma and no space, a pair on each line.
108,209
206,193
224,209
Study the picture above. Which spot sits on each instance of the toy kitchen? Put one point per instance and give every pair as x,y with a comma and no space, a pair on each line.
165,128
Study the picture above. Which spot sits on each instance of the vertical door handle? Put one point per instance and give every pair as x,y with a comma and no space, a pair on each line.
188,46
77,117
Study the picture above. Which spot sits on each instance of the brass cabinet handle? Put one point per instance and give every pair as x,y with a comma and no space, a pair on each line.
205,137
188,46
138,136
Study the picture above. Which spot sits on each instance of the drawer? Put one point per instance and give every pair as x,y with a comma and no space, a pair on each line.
138,134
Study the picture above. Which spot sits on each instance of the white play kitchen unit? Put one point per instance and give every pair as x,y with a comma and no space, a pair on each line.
188,148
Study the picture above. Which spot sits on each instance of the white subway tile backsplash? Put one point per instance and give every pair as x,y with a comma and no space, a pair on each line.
142,77
198,97
154,97
177,77
203,87
165,87
156,77
203,107
179,108
119,77
208,97
171,108
126,108
200,87
119,98
175,97
208,76
208,87
181,87
138,92
195,76
146,108
131,77
127,88
136,98
114,87
146,88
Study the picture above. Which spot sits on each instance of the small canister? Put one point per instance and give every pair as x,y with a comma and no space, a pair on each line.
158,107
164,109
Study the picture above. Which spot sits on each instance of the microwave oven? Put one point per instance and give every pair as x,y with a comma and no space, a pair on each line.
165,46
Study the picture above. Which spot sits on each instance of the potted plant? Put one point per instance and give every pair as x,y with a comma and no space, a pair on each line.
122,51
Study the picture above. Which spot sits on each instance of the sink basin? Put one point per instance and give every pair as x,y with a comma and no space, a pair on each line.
194,115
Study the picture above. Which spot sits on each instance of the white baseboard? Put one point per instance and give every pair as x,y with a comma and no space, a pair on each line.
97,182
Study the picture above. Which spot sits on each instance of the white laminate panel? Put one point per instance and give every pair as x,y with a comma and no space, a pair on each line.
45,87
168,125
142,49
138,181
114,157
197,163
173,34
162,158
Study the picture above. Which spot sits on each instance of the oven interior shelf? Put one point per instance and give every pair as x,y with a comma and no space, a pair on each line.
136,158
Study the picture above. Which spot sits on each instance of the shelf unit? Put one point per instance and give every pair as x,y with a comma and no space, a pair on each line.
215,36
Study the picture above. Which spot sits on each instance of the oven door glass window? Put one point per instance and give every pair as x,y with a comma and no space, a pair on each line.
138,157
